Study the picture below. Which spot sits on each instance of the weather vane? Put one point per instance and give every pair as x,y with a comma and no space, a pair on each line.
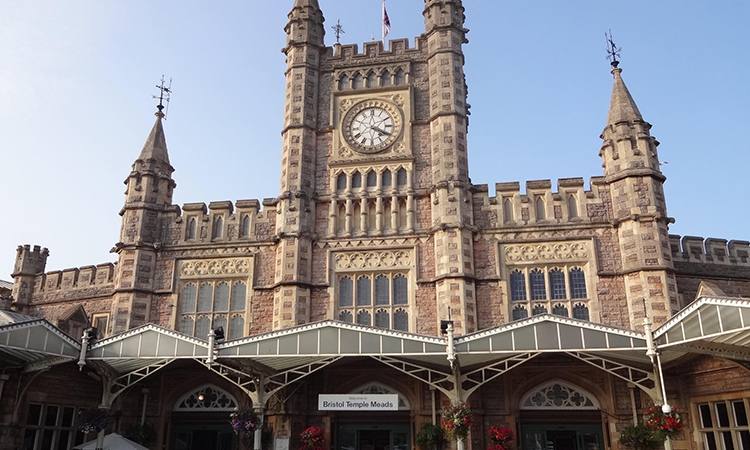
338,30
613,51
164,94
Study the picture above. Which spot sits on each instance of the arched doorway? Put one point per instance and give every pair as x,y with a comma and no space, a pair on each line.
558,415
375,430
200,420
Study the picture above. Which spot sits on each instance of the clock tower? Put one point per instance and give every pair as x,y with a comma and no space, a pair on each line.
375,214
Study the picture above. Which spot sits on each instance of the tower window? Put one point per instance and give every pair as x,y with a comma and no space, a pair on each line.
372,179
344,83
357,180
400,77
572,206
218,225
341,182
245,228
387,178
507,210
539,208
190,232
401,177
357,81
372,80
214,301
385,78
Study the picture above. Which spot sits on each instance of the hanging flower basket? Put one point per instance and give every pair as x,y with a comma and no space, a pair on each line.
92,420
244,423
639,437
501,438
457,420
313,439
664,426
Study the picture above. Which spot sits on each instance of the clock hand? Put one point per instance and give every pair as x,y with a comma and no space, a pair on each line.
381,131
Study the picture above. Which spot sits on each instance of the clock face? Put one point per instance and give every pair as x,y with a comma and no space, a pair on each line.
372,126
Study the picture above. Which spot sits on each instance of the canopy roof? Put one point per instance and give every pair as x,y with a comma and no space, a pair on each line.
715,326
35,341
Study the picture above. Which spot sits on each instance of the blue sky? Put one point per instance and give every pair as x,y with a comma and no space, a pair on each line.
76,81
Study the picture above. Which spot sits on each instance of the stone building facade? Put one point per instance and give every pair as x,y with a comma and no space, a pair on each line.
378,231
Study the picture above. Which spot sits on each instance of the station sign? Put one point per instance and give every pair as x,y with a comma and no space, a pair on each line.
358,402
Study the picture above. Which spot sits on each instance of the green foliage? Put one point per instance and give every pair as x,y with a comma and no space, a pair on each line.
430,437
639,437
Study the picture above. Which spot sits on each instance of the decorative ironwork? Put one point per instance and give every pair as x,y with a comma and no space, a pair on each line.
207,398
558,395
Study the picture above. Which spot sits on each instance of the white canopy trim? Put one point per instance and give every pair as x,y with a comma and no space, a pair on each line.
37,340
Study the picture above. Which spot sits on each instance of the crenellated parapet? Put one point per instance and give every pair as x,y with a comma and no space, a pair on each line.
222,221
75,283
694,249
570,203
397,49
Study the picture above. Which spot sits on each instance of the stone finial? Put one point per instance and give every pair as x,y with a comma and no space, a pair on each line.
622,107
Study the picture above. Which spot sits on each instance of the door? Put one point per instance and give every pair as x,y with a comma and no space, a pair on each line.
203,437
381,436
561,437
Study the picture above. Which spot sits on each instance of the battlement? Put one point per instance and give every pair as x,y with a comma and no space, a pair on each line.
709,250
539,204
246,220
75,278
375,49
30,261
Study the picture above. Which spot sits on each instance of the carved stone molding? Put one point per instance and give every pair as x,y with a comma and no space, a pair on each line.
562,251
385,259
215,267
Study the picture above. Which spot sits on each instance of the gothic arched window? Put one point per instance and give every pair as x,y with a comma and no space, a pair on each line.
341,182
344,83
381,319
364,318
218,225
401,177
372,80
517,286
581,312
385,78
205,294
400,290
221,301
577,283
387,178
539,208
560,310
401,320
346,316
190,232
382,291
572,206
356,180
363,291
245,228
237,327
357,81
520,312
536,283
507,210
539,309
372,179
238,296
345,292
557,284
189,293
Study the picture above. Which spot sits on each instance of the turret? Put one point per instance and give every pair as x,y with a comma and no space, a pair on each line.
296,206
632,170
147,198
451,188
29,263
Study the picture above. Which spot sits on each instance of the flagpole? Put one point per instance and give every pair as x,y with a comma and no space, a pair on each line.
382,24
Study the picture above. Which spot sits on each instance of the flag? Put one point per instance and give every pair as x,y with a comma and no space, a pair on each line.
386,22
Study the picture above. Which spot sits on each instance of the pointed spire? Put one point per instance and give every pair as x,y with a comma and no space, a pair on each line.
622,107
303,3
155,147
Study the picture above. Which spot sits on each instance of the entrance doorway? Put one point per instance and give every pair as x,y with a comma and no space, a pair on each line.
561,437
203,437
380,436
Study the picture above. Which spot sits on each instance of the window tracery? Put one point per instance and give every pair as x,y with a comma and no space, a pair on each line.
558,395
206,398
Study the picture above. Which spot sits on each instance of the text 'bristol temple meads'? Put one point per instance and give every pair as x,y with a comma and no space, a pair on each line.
381,275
